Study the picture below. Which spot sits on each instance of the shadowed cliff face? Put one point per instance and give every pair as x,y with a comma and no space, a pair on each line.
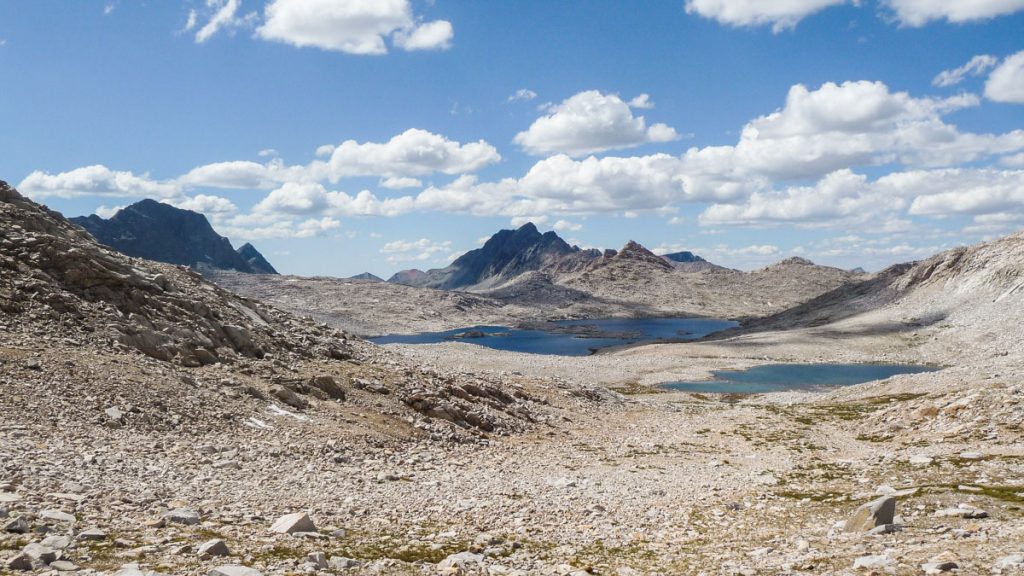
156,231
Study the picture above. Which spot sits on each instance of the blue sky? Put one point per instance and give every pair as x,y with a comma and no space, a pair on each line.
341,136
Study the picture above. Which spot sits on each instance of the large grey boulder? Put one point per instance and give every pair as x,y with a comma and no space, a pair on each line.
40,554
16,525
215,547
20,562
292,523
182,516
57,516
875,513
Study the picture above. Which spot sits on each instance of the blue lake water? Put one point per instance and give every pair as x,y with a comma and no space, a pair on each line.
572,337
779,377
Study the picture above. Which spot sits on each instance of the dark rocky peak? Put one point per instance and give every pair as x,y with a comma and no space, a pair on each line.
684,257
255,260
156,231
505,255
366,276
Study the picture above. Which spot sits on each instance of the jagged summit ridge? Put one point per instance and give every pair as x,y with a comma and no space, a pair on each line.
157,231
504,256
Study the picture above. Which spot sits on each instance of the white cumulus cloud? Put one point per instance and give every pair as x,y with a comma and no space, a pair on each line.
412,153
96,180
591,122
415,250
919,12
436,35
204,204
397,183
1006,83
351,26
780,15
567,226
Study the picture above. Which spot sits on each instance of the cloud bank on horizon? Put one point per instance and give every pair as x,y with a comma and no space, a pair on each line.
835,157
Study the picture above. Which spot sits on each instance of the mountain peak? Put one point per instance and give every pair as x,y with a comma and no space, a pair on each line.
157,231
505,255
636,251
528,228
255,260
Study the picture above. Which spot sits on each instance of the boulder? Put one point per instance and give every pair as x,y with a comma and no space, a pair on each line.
292,523
342,563
872,562
57,516
92,534
16,525
318,559
20,562
962,511
211,548
288,397
56,542
182,516
64,566
875,513
329,386
461,561
39,553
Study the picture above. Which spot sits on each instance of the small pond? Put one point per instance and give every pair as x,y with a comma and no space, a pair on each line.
571,337
780,377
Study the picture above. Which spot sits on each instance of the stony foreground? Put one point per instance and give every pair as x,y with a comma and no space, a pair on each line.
95,481
154,423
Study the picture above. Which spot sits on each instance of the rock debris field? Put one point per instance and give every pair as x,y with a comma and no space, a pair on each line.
154,423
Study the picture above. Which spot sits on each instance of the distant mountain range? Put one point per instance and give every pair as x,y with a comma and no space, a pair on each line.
504,256
511,253
157,231
527,267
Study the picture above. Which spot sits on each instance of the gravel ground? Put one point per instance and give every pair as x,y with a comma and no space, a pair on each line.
153,423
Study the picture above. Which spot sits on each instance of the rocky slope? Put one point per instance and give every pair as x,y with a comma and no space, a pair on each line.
965,296
156,231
